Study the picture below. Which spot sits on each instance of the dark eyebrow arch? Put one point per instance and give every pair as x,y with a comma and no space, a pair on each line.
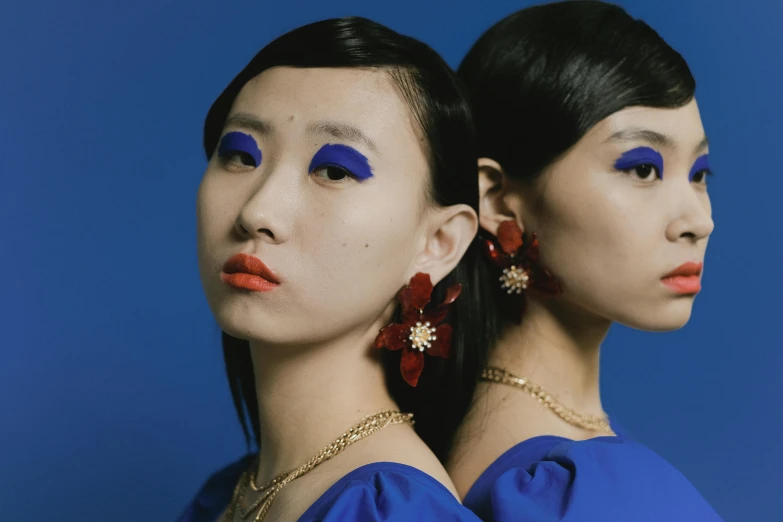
249,122
342,131
647,135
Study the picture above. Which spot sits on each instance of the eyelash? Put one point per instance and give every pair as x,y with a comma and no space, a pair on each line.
635,169
343,170
706,173
246,160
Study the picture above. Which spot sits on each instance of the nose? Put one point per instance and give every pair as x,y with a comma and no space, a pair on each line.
267,215
693,213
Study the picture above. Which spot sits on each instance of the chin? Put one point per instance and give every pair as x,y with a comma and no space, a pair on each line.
670,317
256,326
240,321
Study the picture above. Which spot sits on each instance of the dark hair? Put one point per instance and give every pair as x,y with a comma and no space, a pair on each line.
539,79
442,112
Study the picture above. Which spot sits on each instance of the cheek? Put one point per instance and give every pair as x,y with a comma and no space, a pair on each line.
358,253
367,235
215,214
205,209
597,238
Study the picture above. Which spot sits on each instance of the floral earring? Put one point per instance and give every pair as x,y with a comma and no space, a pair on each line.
420,331
520,262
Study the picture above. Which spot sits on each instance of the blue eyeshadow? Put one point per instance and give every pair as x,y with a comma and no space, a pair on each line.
640,156
701,163
234,142
344,157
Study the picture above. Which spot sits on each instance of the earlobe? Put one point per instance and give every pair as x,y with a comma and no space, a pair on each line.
493,189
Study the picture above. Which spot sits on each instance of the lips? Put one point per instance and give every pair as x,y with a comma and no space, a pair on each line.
685,279
246,272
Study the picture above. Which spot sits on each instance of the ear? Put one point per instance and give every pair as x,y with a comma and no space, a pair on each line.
494,195
449,235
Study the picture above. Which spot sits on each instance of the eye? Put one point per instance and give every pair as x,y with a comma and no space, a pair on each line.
644,163
239,150
645,172
238,158
332,173
700,177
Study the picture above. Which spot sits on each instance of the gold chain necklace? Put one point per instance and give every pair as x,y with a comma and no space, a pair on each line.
571,416
364,428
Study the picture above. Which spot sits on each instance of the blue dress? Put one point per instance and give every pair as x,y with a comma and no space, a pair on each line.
606,479
381,491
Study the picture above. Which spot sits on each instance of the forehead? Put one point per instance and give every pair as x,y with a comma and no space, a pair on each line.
682,124
366,98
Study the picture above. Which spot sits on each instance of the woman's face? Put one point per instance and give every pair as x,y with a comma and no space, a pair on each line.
321,175
622,210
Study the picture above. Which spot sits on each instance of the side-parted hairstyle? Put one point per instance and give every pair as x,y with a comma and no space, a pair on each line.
541,78
442,114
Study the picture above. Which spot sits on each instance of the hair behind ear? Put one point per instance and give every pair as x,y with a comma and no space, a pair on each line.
542,77
441,110
445,390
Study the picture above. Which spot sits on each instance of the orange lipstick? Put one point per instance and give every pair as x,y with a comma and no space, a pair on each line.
246,272
685,279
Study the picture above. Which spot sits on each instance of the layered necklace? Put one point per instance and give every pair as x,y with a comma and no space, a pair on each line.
571,416
267,492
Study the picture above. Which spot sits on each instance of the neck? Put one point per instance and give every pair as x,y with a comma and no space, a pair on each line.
309,395
558,348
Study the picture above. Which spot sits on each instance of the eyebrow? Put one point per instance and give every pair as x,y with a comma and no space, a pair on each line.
647,135
342,131
650,136
249,122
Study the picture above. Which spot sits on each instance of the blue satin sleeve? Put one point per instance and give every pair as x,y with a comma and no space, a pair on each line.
387,492
611,479
381,491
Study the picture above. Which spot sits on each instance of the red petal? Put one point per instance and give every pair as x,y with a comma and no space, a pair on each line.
410,316
452,294
441,347
421,287
411,365
393,336
416,295
438,314
544,283
510,236
497,256
409,312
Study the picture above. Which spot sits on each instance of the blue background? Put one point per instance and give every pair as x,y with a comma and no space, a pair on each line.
113,402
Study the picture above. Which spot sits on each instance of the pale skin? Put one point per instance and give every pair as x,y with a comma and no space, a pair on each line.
342,249
609,237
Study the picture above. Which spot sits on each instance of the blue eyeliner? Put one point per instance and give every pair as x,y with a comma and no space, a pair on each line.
344,157
702,163
640,156
240,142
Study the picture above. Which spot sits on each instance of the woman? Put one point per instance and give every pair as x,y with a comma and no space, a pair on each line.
593,195
341,170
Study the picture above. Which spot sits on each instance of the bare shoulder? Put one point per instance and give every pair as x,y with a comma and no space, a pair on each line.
397,443
499,419
483,437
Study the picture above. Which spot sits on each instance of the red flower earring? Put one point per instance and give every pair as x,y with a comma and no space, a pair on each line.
420,331
520,262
